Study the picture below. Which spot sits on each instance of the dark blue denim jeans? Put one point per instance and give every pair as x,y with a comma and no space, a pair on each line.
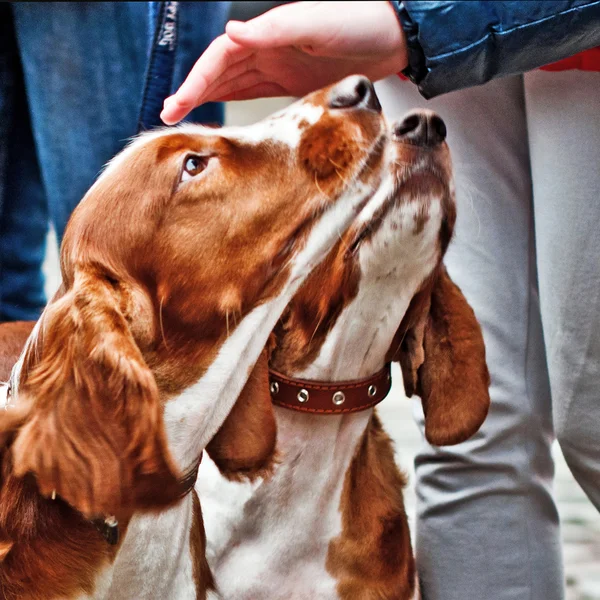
71,81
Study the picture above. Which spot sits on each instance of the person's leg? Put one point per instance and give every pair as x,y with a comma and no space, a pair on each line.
563,113
23,205
84,68
84,65
487,524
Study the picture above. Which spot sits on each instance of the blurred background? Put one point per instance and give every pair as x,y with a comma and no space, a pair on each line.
580,521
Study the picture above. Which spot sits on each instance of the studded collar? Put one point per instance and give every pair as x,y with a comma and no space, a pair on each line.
330,398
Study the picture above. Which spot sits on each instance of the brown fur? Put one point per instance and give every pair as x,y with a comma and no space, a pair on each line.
149,295
454,379
12,340
442,354
64,549
244,446
372,558
200,569
328,150
303,328
87,377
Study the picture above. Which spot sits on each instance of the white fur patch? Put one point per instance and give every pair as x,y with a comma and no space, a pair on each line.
282,127
269,540
155,559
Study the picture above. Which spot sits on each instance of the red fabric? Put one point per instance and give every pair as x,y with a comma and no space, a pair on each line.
584,61
589,60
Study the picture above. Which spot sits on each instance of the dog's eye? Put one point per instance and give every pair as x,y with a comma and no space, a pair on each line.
193,165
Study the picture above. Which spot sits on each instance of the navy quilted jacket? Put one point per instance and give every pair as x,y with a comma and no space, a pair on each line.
453,45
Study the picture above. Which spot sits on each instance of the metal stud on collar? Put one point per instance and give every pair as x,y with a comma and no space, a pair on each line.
274,387
303,396
338,398
372,390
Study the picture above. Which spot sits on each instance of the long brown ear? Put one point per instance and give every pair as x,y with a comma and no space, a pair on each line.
95,432
442,357
244,446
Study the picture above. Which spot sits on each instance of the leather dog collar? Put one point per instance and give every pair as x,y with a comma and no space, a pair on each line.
330,398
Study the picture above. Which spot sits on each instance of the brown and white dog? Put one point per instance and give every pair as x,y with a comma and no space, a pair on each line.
330,522
176,266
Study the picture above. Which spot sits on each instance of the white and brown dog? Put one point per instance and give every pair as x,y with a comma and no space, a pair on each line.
176,267
330,522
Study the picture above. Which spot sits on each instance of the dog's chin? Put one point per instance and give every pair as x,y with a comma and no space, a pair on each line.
391,194
375,208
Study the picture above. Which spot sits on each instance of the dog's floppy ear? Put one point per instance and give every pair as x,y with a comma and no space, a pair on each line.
95,432
442,356
244,446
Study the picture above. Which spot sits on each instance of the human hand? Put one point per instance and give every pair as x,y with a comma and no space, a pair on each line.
292,50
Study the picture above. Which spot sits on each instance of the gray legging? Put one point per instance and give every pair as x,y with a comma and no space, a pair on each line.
526,151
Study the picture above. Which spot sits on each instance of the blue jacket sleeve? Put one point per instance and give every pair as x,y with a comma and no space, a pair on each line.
453,45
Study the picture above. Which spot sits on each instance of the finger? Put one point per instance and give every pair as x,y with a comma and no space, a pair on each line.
261,90
288,25
218,57
213,64
235,71
350,29
174,112
239,83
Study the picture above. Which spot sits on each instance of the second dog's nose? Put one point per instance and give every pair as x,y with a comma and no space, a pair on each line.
422,128
354,91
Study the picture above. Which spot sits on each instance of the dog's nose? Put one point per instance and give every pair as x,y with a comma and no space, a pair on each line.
422,128
355,91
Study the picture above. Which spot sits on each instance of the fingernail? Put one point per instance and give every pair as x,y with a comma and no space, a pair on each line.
165,117
236,24
239,28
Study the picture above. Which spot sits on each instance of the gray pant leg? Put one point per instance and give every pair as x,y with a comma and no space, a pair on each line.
563,114
487,524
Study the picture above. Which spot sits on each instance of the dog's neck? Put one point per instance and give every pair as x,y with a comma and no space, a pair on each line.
301,502
193,417
303,496
355,348
156,559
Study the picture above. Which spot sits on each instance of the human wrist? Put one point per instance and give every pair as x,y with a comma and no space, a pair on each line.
401,45
415,66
